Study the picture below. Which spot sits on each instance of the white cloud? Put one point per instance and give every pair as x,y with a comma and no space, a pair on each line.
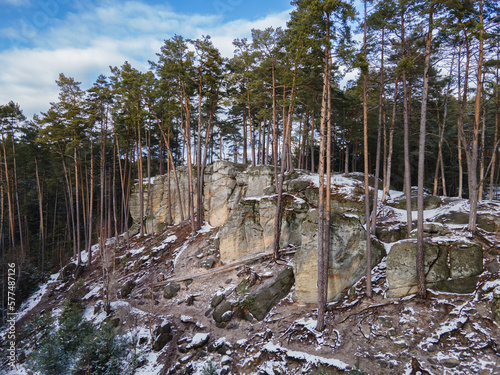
84,45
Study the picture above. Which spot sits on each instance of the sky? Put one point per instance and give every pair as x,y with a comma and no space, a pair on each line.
82,38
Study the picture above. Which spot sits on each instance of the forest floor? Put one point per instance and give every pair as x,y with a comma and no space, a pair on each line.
445,334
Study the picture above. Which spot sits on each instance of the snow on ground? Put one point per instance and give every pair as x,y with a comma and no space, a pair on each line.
180,251
152,367
166,242
199,338
35,298
136,251
95,292
205,228
309,358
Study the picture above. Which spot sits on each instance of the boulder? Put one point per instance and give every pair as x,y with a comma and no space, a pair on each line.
485,222
432,230
199,340
495,305
126,289
449,266
466,259
347,256
67,272
207,263
80,269
221,309
163,335
392,233
430,202
217,299
171,289
263,300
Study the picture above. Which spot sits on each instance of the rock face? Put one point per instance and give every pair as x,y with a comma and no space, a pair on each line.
241,201
495,306
448,266
347,256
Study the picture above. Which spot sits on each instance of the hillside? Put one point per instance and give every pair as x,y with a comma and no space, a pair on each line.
184,308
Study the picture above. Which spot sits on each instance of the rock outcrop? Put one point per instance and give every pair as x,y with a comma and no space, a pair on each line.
346,259
241,201
448,266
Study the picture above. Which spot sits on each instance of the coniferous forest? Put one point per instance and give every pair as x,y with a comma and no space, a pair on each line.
423,111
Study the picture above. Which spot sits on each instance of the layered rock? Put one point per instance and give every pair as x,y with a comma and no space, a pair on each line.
241,201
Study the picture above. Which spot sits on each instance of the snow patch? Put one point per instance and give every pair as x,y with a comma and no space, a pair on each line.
136,251
199,338
205,228
309,358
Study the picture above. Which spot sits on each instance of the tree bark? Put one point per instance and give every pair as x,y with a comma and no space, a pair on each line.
322,249
406,120
421,288
367,185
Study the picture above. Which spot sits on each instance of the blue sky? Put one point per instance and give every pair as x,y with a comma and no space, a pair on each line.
81,38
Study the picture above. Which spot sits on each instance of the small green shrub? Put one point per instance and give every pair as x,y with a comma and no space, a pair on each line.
74,346
242,295
210,369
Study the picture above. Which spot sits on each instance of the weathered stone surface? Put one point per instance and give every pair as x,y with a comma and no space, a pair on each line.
170,290
430,202
250,228
392,234
222,192
455,261
401,266
220,310
263,300
248,231
493,267
466,259
347,256
80,269
495,305
241,201
431,230
485,222
463,285
450,362
127,288
207,263
67,272
217,299
163,335
198,341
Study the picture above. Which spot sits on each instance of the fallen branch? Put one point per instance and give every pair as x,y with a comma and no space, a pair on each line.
225,268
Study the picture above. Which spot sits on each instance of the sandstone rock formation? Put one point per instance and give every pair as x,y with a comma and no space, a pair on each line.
241,201
445,261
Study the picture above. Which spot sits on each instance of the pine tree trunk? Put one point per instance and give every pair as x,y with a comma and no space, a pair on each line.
495,137
312,140
422,291
379,138
367,185
322,249
473,159
40,209
387,180
10,203
406,120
